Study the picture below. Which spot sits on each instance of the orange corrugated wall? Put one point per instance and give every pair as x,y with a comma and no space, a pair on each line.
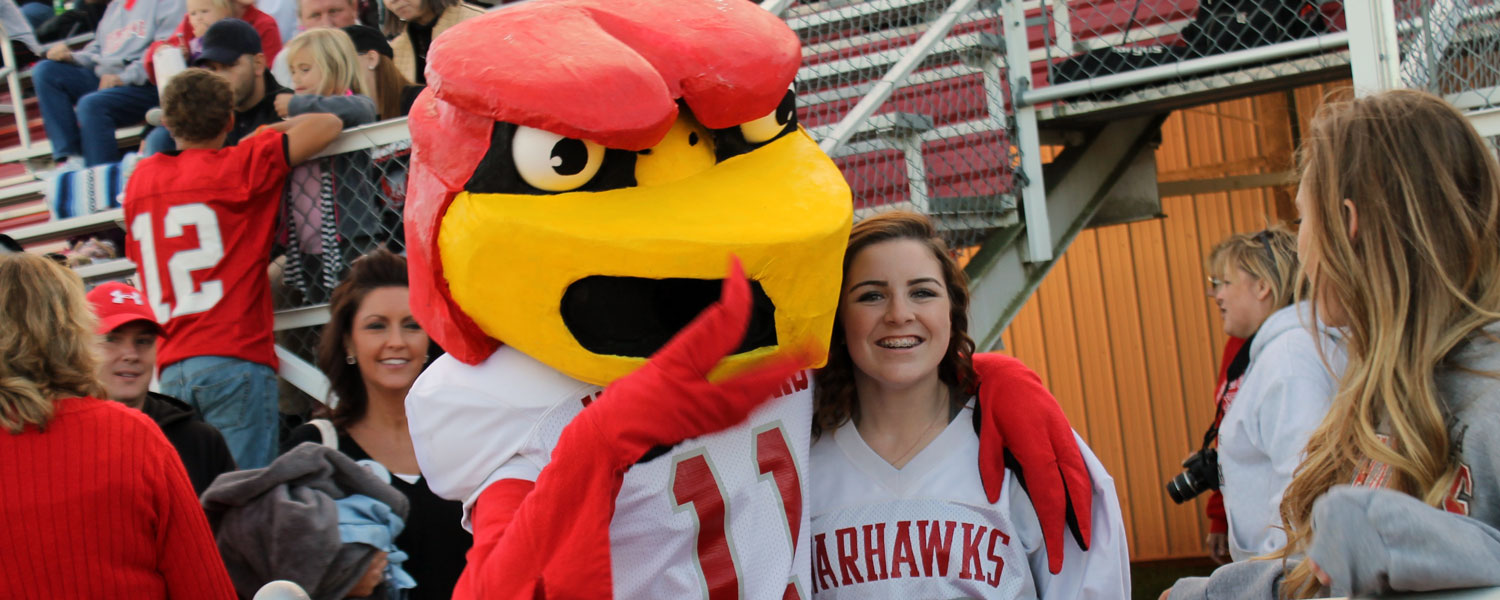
1122,330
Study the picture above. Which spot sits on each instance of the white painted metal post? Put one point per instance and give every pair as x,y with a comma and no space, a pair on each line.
1374,55
910,144
1028,139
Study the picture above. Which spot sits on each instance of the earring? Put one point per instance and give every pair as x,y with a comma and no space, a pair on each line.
349,360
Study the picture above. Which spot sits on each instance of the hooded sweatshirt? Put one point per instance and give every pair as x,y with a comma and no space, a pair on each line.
127,29
1285,392
201,447
1373,540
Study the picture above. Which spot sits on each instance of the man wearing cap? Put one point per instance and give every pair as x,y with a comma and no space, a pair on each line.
127,359
232,48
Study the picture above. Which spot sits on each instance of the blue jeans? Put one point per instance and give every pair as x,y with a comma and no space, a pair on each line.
159,140
37,13
236,396
80,118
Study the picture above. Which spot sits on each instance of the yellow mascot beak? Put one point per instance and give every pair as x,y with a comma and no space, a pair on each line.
592,283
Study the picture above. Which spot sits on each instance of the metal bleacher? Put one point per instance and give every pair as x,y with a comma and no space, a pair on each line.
945,107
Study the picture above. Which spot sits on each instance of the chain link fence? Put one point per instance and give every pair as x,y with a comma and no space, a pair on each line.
334,210
941,142
1451,48
1079,40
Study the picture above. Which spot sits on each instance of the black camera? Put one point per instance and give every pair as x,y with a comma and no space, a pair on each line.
1200,473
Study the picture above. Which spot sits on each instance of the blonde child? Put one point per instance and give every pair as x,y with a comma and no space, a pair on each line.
325,78
201,14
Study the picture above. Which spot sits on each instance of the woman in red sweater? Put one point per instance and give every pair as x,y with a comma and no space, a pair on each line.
94,503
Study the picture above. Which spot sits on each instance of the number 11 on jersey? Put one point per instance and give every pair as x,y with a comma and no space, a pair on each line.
695,483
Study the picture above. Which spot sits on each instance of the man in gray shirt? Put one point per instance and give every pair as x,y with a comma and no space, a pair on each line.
86,95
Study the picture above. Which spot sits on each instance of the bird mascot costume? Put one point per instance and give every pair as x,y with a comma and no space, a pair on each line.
631,252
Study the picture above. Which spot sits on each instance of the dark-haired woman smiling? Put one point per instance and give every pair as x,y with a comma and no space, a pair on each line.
372,351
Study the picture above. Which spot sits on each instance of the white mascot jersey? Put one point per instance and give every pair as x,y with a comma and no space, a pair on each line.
710,514
927,531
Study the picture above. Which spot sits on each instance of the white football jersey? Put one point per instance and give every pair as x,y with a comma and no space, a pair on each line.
719,516
927,531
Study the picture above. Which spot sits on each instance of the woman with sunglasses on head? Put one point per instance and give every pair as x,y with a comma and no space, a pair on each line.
1277,387
1400,200
897,503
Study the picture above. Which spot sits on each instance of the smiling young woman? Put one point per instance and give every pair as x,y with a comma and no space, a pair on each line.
897,442
372,351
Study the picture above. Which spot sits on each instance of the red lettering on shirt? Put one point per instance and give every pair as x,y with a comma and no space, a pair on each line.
867,543
935,546
972,539
1462,491
848,554
996,559
903,553
821,564
875,552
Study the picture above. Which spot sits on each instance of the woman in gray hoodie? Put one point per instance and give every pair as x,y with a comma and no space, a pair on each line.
1400,243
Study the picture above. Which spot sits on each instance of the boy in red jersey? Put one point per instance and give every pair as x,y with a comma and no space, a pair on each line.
200,224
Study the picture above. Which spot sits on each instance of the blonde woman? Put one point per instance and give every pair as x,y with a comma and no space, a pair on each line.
325,78
1400,243
94,503
1281,389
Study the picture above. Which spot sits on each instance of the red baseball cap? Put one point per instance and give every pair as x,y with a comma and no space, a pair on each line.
116,304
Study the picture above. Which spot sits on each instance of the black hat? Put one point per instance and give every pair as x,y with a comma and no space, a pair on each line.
227,40
8,245
367,38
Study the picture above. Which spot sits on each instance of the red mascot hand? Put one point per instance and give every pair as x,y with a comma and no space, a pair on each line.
551,538
1020,417
670,399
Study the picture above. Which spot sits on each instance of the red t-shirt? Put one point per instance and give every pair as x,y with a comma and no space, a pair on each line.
200,225
99,506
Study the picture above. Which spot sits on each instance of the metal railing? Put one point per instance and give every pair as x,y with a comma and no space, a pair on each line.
910,99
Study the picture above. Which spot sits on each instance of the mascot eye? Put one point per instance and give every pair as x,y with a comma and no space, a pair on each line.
766,128
554,163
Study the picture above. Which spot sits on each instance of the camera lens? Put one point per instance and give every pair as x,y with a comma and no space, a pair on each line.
1183,488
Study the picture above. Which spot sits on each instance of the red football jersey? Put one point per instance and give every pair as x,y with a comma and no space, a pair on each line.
200,225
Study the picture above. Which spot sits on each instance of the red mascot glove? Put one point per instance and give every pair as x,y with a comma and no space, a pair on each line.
552,538
1019,417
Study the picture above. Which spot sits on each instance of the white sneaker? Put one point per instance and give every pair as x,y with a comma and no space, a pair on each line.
71,163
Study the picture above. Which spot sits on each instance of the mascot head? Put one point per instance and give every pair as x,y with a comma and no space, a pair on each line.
583,169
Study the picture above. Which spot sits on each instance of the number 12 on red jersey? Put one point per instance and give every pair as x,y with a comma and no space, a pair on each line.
695,483
181,264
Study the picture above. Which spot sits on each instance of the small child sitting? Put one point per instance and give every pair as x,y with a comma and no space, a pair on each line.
200,15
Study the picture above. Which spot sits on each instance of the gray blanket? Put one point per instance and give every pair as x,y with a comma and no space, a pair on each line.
280,522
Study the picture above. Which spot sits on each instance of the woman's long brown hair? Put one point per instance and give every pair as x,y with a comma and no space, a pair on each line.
1417,277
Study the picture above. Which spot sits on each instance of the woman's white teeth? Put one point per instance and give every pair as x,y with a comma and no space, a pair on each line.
394,361
899,342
